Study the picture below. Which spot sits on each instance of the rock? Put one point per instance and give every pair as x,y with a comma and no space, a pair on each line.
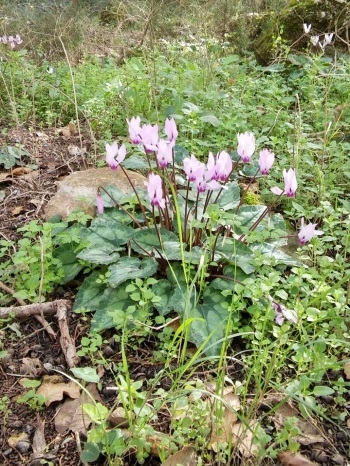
78,190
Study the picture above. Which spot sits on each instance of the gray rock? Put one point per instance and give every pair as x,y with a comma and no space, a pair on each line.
78,190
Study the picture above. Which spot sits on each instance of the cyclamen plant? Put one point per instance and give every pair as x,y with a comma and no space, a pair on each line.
12,41
190,229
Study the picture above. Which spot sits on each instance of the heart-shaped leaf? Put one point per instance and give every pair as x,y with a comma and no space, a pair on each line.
127,268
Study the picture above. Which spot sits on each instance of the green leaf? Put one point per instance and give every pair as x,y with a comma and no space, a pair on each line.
212,119
248,215
91,452
271,251
230,197
105,232
88,374
322,390
96,412
237,254
127,268
136,162
163,289
70,264
229,271
90,293
180,154
147,240
106,255
113,302
211,326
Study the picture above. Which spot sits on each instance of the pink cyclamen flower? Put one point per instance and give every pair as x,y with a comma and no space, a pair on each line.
164,153
115,155
307,232
224,164
155,190
203,184
246,146
212,168
4,39
134,129
266,160
150,137
219,169
290,184
99,203
283,313
18,39
171,130
193,168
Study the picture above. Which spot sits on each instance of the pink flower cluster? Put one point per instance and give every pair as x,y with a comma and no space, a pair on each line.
12,41
207,177
148,136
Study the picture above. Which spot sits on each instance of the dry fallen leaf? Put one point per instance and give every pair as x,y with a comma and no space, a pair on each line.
186,457
309,434
17,210
31,366
118,418
232,405
242,438
19,171
347,370
39,443
71,415
54,391
287,458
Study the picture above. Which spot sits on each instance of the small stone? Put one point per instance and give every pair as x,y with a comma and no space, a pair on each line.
337,459
342,436
29,429
23,446
108,351
320,456
16,424
7,452
48,366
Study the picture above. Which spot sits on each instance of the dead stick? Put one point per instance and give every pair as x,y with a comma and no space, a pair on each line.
39,316
66,341
30,310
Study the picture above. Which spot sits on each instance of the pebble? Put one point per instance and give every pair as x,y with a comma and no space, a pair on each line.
7,452
16,424
23,446
337,459
342,436
108,351
320,456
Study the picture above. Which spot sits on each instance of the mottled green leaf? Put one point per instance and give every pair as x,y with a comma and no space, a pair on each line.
127,268
90,293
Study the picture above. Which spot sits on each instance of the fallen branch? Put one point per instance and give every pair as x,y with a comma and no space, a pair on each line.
32,310
38,316
67,343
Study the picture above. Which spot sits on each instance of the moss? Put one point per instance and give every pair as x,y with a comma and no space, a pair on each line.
251,198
